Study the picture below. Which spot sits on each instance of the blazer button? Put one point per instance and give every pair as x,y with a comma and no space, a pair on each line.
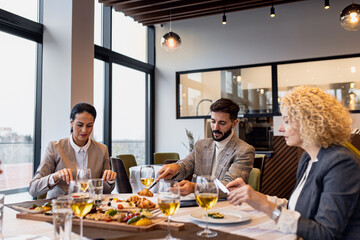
194,175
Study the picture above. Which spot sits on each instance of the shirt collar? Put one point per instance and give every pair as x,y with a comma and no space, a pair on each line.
76,147
224,142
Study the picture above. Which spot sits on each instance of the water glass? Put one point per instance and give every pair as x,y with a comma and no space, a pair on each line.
2,197
98,185
62,218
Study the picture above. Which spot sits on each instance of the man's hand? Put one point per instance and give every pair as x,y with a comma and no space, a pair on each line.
168,171
186,187
109,175
64,174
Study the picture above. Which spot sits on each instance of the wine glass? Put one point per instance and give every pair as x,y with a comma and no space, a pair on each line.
83,174
206,192
147,175
169,200
81,194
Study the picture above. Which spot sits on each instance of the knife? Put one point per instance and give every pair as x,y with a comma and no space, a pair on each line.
221,186
152,185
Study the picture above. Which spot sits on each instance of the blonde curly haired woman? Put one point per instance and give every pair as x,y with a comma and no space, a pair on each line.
325,203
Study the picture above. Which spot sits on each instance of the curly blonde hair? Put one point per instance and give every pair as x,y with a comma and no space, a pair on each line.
323,120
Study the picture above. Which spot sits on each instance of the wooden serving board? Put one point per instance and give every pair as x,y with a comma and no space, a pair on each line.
158,223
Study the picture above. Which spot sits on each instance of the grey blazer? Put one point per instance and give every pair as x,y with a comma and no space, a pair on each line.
236,160
61,155
329,203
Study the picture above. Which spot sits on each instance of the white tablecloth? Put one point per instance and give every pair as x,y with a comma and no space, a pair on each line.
135,182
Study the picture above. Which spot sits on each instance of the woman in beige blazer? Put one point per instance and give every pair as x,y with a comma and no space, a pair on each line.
64,157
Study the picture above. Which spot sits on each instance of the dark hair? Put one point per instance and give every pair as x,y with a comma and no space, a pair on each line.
82,107
227,106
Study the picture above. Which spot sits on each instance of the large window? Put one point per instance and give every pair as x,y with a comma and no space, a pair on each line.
25,8
128,112
128,37
19,102
123,85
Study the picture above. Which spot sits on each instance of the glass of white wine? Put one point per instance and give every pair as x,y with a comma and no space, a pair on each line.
206,192
169,200
83,174
82,199
147,175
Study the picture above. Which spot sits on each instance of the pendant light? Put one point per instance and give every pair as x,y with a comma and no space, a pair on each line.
224,19
171,41
350,17
327,4
272,11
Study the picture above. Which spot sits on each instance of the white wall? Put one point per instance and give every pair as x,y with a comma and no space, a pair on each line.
68,59
299,30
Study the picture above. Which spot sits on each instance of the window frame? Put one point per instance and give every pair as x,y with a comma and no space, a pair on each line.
108,56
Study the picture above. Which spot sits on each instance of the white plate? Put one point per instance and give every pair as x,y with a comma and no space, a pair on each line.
229,216
22,209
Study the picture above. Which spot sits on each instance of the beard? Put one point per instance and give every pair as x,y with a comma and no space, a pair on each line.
225,135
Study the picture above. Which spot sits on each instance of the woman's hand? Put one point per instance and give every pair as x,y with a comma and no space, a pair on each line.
64,174
109,175
235,184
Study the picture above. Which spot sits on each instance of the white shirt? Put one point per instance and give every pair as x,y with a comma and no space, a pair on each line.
219,146
288,220
81,157
81,153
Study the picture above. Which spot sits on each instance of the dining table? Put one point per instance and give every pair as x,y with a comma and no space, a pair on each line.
249,224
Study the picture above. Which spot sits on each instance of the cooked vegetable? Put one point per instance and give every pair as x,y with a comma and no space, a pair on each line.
134,219
111,212
216,215
143,222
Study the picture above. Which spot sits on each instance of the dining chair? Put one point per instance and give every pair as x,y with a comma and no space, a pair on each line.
159,158
121,180
254,179
128,161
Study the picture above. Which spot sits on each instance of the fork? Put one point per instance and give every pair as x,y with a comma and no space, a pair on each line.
155,213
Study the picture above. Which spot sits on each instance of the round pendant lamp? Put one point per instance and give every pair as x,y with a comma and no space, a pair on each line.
350,17
171,41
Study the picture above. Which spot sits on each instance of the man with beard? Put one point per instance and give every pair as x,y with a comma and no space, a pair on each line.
223,156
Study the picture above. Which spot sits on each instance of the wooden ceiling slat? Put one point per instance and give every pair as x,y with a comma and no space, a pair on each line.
161,7
144,4
150,12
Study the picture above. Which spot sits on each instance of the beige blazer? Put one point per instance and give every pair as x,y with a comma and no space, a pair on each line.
61,155
236,160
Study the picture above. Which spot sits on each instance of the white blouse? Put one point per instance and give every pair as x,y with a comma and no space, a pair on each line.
289,218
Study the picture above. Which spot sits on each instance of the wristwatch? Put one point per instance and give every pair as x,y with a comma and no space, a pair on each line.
276,213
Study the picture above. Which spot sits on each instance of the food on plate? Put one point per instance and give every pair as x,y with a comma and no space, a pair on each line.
145,203
146,193
143,222
133,199
45,207
115,203
216,215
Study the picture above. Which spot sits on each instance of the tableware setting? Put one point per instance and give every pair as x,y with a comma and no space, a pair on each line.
206,193
228,216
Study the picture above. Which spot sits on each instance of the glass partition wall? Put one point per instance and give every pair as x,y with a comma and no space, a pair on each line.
254,88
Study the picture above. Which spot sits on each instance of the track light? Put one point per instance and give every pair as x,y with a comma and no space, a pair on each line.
327,4
224,19
350,17
272,11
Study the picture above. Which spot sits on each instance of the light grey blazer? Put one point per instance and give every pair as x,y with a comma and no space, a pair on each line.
61,155
235,160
